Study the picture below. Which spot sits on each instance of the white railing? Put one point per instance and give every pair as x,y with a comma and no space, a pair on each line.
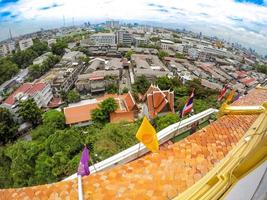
163,136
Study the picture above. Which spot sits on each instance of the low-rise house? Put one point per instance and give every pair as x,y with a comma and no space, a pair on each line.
63,76
149,66
40,92
39,60
25,44
97,80
158,102
79,114
249,82
73,56
211,85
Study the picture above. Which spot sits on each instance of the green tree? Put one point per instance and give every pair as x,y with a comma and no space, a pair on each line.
35,71
42,132
155,39
129,54
98,116
109,105
7,69
54,118
24,58
5,178
58,48
125,90
73,96
162,122
164,83
101,114
23,155
43,169
261,68
141,85
30,112
112,88
115,137
39,47
8,127
179,56
162,54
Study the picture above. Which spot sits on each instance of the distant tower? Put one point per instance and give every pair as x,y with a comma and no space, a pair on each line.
72,21
10,34
64,21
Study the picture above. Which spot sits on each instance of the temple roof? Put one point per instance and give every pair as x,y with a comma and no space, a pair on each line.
162,175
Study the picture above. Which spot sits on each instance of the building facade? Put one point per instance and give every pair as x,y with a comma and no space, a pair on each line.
103,39
123,38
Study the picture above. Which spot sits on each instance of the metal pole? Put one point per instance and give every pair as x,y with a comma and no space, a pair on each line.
138,150
93,165
80,188
178,127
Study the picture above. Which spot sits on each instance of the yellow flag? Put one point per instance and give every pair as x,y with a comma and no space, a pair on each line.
148,136
230,96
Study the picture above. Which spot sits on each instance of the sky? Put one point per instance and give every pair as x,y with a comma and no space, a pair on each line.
243,21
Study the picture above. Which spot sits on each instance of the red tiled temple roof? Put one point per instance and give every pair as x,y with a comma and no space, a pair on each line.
157,100
157,176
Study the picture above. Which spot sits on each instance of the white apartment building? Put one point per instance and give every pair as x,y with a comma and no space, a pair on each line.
25,44
40,92
103,39
166,44
7,48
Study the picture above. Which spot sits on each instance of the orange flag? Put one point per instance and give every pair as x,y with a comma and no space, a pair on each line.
230,96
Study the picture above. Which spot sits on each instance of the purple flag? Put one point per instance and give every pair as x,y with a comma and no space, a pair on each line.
237,97
83,168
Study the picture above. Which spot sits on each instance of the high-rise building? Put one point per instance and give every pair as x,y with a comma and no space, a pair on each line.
124,38
112,24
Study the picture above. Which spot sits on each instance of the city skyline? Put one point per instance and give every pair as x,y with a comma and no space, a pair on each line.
233,20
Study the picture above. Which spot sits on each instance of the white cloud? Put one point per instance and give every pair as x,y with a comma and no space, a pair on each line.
244,22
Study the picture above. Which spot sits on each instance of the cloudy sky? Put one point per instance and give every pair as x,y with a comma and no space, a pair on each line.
244,21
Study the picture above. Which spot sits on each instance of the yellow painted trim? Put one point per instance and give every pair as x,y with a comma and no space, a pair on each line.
261,87
242,110
250,151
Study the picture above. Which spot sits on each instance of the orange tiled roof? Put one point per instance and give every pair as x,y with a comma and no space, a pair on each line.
160,175
129,101
82,113
122,116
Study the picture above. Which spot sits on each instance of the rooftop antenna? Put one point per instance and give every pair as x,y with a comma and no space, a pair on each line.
10,34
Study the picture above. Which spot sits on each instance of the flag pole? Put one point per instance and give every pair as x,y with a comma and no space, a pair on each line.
80,188
139,146
177,127
94,164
